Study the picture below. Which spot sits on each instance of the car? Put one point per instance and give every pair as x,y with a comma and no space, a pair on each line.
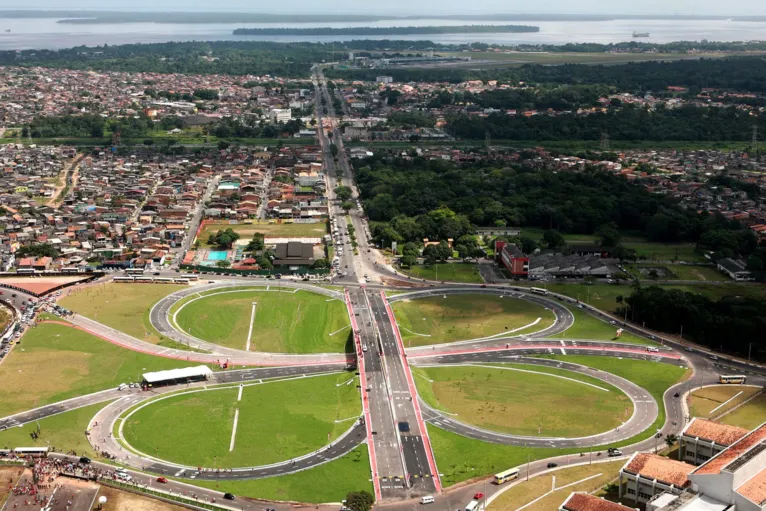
552,465
228,496
162,480
614,453
364,347
713,357
478,496
156,274
613,322
676,394
120,470
84,459
690,350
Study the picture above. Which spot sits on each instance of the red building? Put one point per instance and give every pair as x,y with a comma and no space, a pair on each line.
514,260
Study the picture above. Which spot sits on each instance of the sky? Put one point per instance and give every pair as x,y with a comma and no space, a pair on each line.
403,7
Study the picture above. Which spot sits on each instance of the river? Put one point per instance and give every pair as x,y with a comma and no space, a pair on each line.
45,33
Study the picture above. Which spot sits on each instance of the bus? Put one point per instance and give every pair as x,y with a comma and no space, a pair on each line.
124,279
31,452
511,473
192,277
180,281
539,290
737,379
25,271
134,271
472,506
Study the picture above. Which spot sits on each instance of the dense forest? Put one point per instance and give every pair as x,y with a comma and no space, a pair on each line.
400,196
455,29
215,57
688,123
739,73
732,325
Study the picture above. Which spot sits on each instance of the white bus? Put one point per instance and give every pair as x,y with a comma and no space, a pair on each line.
124,279
539,290
737,379
134,271
25,271
192,277
180,281
511,473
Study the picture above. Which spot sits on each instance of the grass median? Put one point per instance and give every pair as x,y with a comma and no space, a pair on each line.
276,421
447,272
54,362
458,317
283,321
497,399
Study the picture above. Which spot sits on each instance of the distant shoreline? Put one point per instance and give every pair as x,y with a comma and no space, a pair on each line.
113,17
323,31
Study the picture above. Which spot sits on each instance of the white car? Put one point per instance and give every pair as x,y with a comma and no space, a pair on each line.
364,347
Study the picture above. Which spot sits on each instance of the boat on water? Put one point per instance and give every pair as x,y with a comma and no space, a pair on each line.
640,34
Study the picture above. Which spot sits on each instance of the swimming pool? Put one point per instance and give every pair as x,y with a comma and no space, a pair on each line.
217,255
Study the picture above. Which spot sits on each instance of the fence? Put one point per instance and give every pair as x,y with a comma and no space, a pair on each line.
217,270
163,496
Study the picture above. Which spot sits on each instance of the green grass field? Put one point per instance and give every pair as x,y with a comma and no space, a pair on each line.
285,321
56,362
326,483
277,421
699,273
65,432
435,320
124,307
524,493
702,402
748,416
498,399
269,230
448,272
460,458
587,327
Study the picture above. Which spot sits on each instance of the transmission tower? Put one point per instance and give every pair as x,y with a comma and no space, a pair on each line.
604,141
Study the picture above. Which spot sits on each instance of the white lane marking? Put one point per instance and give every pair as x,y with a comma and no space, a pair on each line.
234,430
239,395
250,330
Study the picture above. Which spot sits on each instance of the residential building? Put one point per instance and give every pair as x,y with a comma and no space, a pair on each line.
735,269
646,475
280,115
578,501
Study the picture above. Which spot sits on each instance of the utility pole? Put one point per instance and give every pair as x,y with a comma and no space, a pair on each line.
749,351
755,139
604,141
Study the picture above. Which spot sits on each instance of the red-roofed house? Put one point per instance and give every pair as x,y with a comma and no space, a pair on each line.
646,475
702,439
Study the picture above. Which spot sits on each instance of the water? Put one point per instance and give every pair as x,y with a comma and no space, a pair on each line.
47,34
217,255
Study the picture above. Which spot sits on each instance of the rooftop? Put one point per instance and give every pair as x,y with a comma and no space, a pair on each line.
730,455
754,490
721,434
586,502
665,470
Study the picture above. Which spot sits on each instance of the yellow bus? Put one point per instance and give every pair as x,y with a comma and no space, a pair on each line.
511,473
737,379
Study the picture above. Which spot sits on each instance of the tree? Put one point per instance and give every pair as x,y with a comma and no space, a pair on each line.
334,149
37,250
148,141
671,440
223,145
347,206
223,239
609,235
408,261
256,244
321,264
223,264
343,193
359,500
554,239
528,245
411,249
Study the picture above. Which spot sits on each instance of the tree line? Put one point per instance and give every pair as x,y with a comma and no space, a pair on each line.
411,199
412,30
629,122
732,325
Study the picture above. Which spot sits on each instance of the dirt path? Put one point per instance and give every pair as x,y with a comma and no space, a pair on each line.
70,175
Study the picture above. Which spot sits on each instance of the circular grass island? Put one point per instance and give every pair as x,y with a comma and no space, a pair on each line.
277,421
460,317
524,400
284,320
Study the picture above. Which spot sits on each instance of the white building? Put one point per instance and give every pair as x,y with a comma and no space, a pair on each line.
646,475
280,115
384,79
702,439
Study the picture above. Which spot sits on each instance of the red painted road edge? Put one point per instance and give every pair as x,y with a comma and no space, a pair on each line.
414,394
365,403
